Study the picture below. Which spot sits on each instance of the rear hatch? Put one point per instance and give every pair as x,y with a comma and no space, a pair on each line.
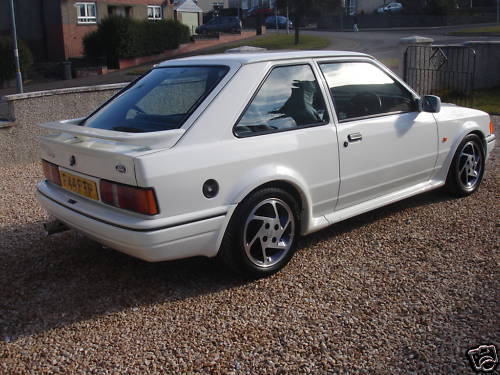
87,154
101,153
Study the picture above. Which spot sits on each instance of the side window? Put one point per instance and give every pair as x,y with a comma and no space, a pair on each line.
361,89
289,98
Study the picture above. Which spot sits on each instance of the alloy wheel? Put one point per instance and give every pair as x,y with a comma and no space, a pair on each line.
470,165
269,232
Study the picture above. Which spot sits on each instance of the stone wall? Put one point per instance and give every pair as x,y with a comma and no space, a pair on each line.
19,135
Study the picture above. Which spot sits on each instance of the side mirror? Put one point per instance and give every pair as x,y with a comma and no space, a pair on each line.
431,103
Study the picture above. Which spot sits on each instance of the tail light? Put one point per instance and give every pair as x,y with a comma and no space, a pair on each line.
51,172
491,127
130,198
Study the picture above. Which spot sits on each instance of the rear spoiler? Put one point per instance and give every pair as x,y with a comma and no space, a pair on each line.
150,140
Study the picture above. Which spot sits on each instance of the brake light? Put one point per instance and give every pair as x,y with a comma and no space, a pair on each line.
131,198
51,172
491,127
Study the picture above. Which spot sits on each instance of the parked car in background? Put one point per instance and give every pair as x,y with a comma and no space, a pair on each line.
280,22
237,155
390,8
227,24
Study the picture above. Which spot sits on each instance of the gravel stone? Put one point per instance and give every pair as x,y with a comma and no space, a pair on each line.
406,289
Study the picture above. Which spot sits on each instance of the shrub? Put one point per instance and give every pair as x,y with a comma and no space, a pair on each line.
7,63
93,46
120,37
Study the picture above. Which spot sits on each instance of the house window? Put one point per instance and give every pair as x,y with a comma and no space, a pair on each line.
121,11
154,12
86,12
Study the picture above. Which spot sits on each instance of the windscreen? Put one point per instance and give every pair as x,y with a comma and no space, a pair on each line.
161,100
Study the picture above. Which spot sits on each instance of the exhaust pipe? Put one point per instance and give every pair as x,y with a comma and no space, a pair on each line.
55,226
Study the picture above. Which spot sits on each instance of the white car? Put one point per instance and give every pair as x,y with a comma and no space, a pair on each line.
236,155
390,8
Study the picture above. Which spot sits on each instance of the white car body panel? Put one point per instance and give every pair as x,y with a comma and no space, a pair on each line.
400,155
396,151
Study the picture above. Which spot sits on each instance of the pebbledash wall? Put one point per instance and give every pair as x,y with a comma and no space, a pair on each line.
19,134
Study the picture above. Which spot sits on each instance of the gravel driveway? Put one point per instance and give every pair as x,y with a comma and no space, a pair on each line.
406,289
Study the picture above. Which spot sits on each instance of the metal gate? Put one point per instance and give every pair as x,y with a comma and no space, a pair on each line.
445,71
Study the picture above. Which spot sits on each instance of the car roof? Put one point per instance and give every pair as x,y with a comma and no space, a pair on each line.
255,57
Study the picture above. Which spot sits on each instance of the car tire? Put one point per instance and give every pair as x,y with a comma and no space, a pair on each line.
262,234
467,167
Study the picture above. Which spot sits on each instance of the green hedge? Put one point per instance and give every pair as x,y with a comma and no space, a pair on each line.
7,63
120,37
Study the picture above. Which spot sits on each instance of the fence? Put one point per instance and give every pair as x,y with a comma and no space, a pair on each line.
446,71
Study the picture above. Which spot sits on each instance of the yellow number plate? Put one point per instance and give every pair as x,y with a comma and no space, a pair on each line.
79,185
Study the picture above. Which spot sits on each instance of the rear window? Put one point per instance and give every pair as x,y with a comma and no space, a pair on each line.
161,100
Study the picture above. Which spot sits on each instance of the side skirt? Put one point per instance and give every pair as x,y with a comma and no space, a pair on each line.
373,204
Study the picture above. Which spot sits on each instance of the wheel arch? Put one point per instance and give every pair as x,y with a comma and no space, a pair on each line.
291,186
282,177
454,183
295,188
473,128
481,136
288,186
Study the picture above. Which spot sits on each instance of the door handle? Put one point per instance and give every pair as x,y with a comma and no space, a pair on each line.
354,137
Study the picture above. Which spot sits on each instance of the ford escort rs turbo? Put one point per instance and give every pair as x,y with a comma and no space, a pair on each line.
237,155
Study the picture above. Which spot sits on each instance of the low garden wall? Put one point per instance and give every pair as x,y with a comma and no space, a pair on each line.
195,45
19,134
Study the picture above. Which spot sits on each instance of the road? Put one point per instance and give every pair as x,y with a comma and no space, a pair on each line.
384,45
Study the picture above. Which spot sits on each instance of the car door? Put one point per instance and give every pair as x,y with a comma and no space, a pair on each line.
286,126
385,143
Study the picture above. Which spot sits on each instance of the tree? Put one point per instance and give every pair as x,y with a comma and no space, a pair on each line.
300,8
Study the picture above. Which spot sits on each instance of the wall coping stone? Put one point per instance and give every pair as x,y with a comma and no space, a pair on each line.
415,39
68,90
478,42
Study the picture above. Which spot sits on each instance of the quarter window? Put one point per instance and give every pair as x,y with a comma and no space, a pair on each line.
86,12
154,12
362,89
289,98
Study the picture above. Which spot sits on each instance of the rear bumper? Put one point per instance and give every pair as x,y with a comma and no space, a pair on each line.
186,239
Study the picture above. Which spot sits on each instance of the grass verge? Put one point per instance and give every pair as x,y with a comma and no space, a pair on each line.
487,100
483,30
